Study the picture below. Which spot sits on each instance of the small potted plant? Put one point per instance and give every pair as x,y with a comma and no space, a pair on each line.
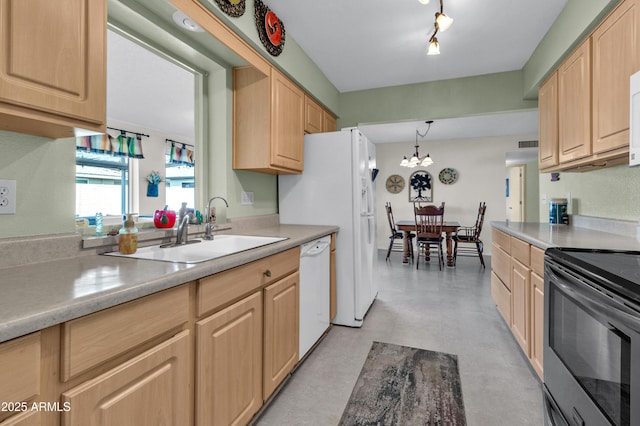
153,179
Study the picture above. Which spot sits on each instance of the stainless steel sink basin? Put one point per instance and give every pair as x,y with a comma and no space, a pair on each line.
221,245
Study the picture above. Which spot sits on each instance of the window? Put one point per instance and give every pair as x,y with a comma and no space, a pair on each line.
180,184
102,184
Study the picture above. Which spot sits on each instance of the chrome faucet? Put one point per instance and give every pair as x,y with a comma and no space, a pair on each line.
183,230
211,223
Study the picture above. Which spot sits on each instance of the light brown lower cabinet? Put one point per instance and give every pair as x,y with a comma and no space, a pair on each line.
229,364
150,389
517,288
281,331
206,353
520,317
537,322
247,342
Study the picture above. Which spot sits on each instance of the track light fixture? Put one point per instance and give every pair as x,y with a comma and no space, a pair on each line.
442,23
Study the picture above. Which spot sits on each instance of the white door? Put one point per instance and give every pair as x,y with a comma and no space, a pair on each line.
515,193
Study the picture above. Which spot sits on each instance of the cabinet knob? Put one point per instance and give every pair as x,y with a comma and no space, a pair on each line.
267,273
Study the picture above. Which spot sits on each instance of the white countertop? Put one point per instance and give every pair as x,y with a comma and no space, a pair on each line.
40,295
544,235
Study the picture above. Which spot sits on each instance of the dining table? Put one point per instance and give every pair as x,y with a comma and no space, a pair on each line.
448,228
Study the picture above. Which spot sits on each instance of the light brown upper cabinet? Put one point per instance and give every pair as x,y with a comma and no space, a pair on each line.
313,119
316,118
548,123
268,124
574,105
615,58
330,123
53,67
592,103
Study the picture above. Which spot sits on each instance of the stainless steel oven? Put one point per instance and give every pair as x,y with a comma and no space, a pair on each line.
592,337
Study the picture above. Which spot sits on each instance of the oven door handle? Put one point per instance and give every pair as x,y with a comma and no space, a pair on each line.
594,299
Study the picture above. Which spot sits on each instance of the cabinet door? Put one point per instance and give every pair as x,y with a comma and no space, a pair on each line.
313,116
537,322
330,123
520,294
615,57
53,61
574,104
229,364
287,123
281,331
150,389
548,122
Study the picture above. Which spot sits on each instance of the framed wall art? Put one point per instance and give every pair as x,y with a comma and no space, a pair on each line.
420,187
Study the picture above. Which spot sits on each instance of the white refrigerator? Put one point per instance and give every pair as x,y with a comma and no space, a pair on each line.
337,188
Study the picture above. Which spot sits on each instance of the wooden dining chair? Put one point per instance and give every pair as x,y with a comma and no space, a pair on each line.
470,236
429,222
396,239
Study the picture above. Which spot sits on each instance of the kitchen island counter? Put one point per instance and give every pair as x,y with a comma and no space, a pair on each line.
39,295
544,235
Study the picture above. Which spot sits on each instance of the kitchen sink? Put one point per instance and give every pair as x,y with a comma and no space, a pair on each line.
201,251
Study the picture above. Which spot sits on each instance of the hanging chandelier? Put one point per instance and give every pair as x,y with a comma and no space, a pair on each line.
416,160
442,24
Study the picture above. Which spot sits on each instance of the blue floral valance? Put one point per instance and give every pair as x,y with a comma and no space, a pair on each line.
124,146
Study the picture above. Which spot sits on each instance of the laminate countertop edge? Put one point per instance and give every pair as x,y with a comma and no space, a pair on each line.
40,295
544,236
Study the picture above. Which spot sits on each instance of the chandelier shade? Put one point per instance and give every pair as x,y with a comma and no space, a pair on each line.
415,159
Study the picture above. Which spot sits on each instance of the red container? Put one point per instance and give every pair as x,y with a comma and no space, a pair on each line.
164,218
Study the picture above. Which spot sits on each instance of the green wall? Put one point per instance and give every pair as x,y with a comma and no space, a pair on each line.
44,169
612,193
574,23
485,94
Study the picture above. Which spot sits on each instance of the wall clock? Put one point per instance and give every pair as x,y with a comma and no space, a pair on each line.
448,176
395,184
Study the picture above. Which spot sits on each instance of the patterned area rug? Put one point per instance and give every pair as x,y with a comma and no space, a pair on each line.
404,386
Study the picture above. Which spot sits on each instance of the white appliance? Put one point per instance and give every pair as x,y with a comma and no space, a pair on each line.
336,188
634,121
314,292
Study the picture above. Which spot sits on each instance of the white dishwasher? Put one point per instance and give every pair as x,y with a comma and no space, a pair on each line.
314,292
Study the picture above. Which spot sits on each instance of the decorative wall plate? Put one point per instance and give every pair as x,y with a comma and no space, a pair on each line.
270,28
234,8
395,184
448,176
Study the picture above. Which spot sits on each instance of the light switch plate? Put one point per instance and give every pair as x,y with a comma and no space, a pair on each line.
246,198
7,196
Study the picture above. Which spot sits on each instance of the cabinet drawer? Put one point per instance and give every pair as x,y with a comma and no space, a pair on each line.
502,239
520,250
502,298
217,291
95,338
500,264
20,369
537,260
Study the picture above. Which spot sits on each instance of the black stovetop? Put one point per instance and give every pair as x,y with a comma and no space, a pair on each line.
617,270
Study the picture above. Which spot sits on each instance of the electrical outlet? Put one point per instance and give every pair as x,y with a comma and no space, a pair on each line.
7,196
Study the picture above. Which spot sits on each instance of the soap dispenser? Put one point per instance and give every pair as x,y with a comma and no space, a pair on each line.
128,237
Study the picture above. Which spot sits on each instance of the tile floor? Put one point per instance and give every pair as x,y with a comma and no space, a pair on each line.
449,311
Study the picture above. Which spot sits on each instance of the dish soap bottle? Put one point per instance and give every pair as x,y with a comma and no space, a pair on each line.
128,237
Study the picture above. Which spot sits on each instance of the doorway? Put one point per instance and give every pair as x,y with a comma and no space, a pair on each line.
515,195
